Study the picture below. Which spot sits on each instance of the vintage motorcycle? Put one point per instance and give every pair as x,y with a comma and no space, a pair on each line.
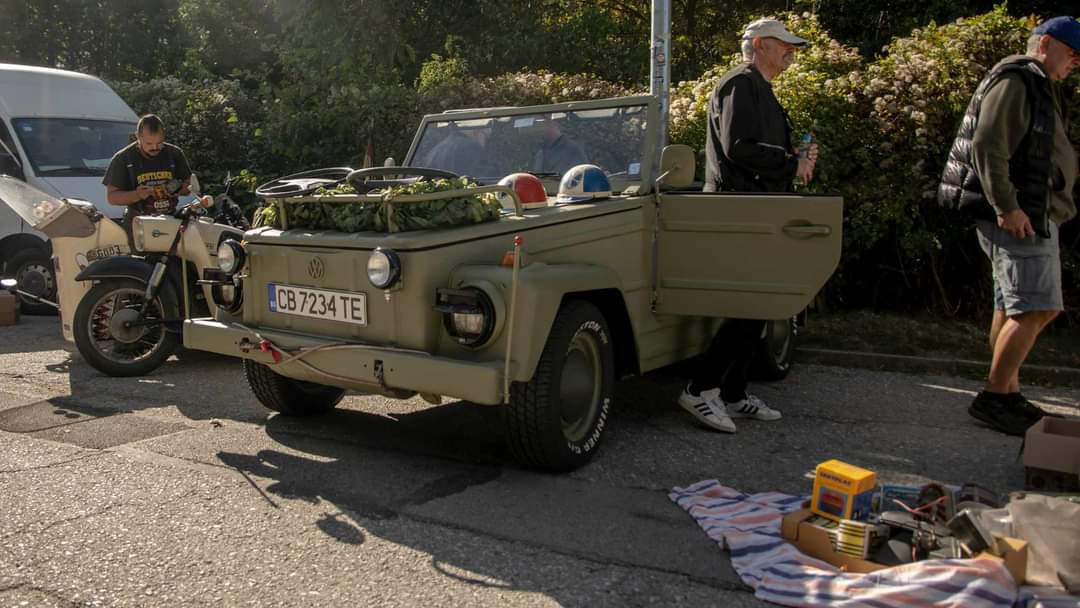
123,308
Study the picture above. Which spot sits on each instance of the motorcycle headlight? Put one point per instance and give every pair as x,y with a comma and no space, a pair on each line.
384,268
230,256
137,233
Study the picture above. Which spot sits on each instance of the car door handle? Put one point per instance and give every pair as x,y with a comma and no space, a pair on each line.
806,231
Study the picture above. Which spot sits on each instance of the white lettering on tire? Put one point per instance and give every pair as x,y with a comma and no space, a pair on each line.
593,439
594,327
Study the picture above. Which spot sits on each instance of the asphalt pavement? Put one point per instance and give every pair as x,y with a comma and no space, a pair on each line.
179,489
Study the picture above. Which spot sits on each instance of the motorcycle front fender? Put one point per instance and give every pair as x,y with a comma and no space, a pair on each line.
139,269
117,267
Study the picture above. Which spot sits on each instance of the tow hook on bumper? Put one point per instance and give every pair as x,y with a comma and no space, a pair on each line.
380,373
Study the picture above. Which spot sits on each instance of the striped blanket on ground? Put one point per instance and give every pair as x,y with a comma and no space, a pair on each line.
749,526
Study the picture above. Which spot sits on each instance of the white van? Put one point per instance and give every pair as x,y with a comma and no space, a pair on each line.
58,132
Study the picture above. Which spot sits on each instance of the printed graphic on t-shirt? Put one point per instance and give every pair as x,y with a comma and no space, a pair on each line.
160,201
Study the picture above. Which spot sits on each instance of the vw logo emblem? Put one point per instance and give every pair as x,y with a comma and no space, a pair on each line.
316,268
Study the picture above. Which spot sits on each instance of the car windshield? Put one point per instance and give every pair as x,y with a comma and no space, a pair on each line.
66,147
546,143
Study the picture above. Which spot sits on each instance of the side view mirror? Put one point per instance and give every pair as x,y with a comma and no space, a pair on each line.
389,162
677,165
9,165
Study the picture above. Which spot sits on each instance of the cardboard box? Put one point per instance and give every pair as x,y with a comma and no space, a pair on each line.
1052,445
816,541
1013,552
9,309
842,491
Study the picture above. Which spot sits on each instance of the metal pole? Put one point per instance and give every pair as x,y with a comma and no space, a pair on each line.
660,66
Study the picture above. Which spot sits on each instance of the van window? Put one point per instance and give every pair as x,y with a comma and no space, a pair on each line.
71,146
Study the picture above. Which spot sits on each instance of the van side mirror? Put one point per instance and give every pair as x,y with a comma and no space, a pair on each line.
677,165
9,166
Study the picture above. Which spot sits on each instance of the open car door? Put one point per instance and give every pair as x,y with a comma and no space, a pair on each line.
747,256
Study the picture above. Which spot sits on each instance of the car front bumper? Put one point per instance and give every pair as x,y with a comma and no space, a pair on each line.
358,367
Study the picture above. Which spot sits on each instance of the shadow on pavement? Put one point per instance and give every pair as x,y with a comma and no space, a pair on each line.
33,334
201,386
447,465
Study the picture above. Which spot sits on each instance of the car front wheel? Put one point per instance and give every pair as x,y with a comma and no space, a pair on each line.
555,420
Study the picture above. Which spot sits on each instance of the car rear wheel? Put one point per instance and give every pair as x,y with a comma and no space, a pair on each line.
288,396
777,352
555,420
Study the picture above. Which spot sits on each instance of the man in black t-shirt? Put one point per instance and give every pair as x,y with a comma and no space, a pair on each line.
148,175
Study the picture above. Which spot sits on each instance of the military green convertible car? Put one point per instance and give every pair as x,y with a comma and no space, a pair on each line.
538,311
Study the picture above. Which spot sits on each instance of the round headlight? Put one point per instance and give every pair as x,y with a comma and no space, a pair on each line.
229,296
230,256
470,319
383,268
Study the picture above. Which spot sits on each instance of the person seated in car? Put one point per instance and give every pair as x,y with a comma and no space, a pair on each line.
559,153
461,152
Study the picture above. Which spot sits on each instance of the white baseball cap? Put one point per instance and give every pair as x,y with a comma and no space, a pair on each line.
772,28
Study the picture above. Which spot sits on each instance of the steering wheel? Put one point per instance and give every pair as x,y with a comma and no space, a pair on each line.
361,178
299,184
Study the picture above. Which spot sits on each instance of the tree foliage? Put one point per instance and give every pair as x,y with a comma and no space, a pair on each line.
884,127
276,86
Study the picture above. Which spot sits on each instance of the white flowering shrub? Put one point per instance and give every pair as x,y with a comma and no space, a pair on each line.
884,128
445,85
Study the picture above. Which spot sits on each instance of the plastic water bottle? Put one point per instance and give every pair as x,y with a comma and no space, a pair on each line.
804,149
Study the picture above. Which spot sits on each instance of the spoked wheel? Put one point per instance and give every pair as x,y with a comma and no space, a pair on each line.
299,184
110,336
363,180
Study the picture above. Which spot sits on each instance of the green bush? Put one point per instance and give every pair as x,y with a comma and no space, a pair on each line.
884,128
217,123
444,85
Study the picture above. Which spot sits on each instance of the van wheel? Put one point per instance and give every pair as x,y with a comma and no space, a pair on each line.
556,420
777,351
34,272
288,396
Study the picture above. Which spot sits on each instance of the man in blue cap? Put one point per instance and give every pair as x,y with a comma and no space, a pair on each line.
1013,169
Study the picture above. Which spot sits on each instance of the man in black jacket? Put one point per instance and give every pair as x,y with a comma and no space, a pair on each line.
748,149
1012,168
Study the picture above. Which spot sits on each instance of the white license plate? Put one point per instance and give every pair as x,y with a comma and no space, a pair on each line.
343,306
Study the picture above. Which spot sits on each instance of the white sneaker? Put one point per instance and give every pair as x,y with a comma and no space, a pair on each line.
708,409
752,407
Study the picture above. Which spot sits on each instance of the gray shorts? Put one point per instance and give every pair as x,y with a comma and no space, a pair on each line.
1027,273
